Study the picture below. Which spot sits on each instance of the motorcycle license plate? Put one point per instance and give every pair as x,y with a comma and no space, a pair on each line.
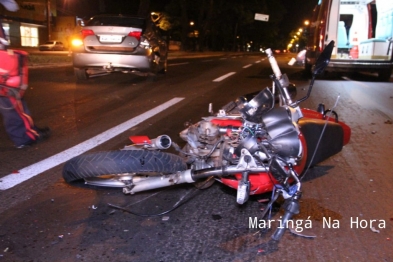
110,38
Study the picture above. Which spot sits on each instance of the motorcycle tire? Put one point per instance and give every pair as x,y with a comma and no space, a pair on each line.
119,162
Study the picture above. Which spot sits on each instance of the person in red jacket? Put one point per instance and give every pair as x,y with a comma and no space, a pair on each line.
13,82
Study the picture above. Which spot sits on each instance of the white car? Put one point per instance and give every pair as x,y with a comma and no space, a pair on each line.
52,46
126,44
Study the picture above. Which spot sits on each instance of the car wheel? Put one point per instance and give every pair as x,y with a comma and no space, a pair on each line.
81,74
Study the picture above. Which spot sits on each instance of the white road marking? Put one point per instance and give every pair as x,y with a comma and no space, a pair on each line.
223,77
257,61
28,172
247,66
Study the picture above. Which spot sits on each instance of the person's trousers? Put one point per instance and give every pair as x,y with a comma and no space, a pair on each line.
17,120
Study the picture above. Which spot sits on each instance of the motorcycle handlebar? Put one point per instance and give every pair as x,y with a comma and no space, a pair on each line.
273,63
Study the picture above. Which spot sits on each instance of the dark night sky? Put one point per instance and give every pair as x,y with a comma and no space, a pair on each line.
87,8
298,9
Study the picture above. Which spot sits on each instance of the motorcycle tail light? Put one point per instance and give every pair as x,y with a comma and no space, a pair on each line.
87,32
136,34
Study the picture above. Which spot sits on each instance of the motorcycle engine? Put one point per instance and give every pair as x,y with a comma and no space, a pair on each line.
210,145
202,140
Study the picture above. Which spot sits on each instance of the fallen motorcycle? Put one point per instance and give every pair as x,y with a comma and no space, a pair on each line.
252,145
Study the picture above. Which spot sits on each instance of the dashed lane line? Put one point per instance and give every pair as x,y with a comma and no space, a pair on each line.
223,77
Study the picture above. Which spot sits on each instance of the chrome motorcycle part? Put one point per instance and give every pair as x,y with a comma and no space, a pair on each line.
243,192
246,161
153,182
120,180
161,142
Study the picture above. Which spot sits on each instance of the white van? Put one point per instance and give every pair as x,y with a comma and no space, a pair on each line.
362,31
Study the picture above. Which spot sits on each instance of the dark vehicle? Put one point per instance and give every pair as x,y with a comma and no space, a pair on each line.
128,44
52,46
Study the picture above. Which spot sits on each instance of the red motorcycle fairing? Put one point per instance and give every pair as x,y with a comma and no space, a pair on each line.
336,135
140,140
226,122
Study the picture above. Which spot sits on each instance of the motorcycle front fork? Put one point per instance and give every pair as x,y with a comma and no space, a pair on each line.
291,206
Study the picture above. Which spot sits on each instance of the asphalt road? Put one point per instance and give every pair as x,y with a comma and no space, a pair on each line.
45,219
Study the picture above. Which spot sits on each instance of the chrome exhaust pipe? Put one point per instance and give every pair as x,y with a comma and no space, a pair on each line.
224,171
161,142
186,176
153,182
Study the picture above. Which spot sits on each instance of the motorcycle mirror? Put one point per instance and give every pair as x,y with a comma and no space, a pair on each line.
323,59
320,65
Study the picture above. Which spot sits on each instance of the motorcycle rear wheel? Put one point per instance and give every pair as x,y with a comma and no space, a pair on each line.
121,162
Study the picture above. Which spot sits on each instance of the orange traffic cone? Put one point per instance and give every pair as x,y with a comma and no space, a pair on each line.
354,53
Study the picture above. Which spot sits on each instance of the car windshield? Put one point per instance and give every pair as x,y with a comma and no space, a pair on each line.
116,21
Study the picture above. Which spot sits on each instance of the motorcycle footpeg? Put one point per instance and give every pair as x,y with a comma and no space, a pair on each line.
243,192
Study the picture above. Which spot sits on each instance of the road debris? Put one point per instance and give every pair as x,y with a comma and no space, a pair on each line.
389,122
374,230
165,218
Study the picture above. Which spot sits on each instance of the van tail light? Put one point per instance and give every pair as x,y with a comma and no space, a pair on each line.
87,32
136,34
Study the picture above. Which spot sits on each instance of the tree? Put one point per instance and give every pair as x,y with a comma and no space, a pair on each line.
227,24
144,8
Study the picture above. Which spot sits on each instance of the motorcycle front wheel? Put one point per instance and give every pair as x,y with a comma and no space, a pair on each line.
121,162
